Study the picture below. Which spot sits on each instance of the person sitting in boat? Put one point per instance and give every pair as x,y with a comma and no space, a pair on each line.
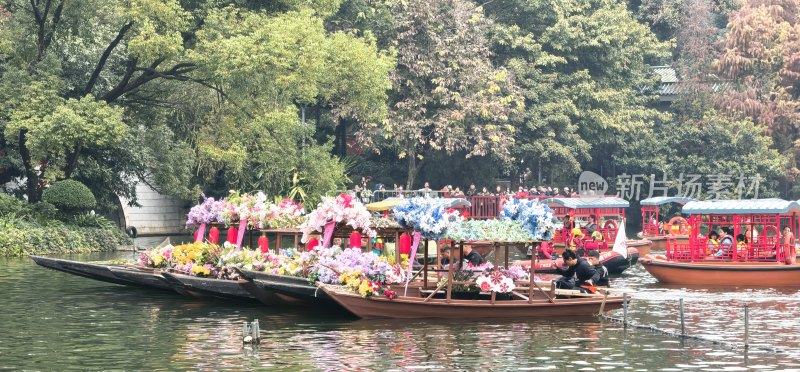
472,257
742,247
575,239
445,256
591,227
600,279
713,242
789,246
725,242
578,272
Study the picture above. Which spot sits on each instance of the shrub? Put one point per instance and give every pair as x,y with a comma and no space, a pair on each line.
43,211
93,220
10,205
69,196
18,237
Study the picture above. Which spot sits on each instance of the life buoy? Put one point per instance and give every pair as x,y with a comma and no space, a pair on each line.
610,224
677,226
132,232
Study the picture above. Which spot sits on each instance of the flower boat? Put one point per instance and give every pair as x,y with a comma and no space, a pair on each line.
293,290
207,287
765,259
92,270
676,228
501,300
609,211
504,292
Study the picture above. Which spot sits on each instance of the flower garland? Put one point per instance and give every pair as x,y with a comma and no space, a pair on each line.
505,230
537,218
425,215
342,209
206,212
287,214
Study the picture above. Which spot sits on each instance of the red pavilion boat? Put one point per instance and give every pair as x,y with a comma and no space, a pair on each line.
677,227
765,259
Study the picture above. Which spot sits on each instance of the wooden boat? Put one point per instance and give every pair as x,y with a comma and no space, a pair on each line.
609,212
437,300
416,306
766,259
676,228
720,273
613,261
143,278
202,287
89,270
292,287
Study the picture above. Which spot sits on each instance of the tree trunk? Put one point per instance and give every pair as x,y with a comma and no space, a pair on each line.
413,167
31,179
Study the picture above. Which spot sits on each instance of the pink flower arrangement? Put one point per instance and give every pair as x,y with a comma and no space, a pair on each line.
342,209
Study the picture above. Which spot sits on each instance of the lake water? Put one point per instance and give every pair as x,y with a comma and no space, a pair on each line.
54,321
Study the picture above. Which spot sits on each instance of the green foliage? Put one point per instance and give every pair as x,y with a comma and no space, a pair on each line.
18,238
712,145
69,196
92,220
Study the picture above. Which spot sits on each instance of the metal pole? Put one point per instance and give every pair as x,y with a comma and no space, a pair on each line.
625,310
683,324
746,326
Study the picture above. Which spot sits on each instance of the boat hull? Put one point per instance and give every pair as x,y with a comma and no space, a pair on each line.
613,261
202,287
660,243
643,246
412,308
142,278
711,273
85,269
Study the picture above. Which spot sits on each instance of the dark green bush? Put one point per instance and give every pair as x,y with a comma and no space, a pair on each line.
69,196
10,205
93,220
43,211
19,237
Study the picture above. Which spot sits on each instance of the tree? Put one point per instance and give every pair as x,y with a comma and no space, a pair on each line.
760,58
582,65
446,96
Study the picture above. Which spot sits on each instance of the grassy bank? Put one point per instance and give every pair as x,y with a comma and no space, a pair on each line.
41,229
19,238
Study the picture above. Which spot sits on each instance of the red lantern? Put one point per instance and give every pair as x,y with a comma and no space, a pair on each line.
355,239
233,234
313,243
263,243
213,235
405,244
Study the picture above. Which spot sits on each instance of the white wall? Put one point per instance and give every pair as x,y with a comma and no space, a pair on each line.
158,214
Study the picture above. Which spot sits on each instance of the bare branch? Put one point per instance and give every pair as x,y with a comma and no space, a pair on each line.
104,57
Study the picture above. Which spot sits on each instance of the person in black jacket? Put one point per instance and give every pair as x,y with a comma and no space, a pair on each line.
600,279
578,272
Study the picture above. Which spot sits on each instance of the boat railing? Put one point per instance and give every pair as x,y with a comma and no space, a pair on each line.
765,250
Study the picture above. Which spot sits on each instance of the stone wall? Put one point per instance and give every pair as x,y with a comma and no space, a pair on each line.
157,215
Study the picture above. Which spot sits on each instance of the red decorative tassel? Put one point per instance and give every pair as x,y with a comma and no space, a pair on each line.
263,244
355,239
213,235
405,244
233,234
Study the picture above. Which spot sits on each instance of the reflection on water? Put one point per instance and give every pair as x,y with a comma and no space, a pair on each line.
50,320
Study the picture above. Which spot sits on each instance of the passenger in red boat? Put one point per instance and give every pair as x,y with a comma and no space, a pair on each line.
579,272
790,252
725,243
600,279
472,257
591,227
713,243
741,246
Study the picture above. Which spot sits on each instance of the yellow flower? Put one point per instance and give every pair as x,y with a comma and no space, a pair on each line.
158,259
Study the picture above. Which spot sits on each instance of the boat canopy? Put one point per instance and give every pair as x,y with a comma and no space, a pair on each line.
746,206
589,203
387,204
659,200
